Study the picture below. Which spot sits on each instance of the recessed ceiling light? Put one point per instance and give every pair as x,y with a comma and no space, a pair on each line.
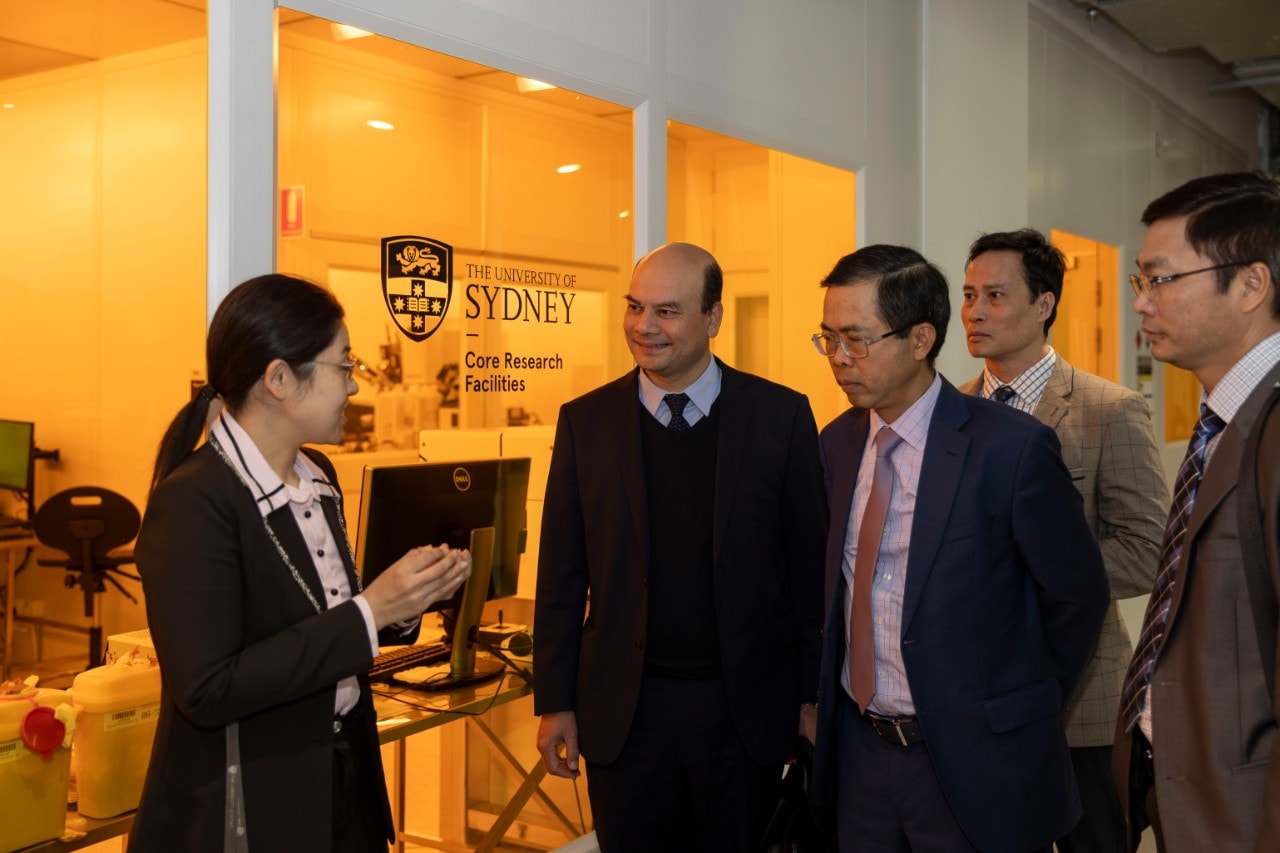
528,84
568,168
624,214
8,106
378,124
346,32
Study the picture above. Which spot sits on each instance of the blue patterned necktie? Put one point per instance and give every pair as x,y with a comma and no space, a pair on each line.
1157,616
1003,394
676,403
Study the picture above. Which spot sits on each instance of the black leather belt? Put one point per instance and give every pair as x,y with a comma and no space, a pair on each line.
896,730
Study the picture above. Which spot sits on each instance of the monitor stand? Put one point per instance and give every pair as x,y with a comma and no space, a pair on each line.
464,668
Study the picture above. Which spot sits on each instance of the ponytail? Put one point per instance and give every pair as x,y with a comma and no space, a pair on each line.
268,317
183,433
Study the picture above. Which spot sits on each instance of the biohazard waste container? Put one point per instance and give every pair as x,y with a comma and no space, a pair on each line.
36,727
118,706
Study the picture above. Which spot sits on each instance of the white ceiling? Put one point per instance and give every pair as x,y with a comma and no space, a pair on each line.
1242,35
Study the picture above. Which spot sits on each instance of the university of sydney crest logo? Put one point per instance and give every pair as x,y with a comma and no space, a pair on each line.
417,283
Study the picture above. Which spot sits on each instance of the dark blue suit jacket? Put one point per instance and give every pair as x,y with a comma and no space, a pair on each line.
1005,594
770,526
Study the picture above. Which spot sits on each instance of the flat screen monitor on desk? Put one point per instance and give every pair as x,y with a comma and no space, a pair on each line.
17,457
478,505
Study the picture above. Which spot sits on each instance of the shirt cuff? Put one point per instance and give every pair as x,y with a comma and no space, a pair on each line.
370,628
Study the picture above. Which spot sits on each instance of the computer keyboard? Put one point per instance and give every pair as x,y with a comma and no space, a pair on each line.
399,658
14,528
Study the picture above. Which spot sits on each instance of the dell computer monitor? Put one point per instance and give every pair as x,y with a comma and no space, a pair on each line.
455,503
17,452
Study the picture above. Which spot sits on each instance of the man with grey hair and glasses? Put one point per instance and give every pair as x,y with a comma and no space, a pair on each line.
964,588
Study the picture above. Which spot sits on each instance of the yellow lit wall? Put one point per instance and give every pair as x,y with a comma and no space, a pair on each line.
101,277
777,223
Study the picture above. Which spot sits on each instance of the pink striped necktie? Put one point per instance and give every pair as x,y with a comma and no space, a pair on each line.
862,662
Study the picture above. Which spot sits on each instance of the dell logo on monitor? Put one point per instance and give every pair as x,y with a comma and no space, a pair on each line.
461,479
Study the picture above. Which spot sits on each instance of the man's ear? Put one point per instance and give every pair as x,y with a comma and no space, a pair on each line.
922,336
1258,286
714,317
1046,301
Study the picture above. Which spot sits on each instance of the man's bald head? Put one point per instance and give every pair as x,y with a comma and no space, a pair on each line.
679,258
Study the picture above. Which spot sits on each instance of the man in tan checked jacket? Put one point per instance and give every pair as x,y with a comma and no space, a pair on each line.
1011,292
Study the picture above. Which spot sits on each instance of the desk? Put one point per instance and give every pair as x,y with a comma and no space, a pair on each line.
13,549
403,712
400,716
84,831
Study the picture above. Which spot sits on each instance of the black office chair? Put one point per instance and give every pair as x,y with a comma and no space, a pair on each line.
87,523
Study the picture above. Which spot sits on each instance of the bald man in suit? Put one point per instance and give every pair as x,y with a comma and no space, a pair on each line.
678,611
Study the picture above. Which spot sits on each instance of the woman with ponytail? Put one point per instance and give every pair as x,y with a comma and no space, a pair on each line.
267,737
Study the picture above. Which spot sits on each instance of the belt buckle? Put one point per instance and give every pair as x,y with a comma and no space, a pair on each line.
902,736
897,727
877,721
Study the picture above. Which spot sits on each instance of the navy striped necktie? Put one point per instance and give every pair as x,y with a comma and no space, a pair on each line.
1156,619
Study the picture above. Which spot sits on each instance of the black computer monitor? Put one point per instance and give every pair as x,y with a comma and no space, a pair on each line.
478,505
17,458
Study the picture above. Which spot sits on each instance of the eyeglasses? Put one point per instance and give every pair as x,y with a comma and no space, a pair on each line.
853,347
1147,284
347,367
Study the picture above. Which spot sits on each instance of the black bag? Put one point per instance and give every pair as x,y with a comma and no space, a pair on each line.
796,826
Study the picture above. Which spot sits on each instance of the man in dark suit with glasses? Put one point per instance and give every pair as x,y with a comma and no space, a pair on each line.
964,588
1197,753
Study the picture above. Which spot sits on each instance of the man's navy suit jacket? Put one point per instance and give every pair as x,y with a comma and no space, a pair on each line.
769,531
1005,594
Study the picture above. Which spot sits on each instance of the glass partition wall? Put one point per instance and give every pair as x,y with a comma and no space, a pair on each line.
102,260
501,202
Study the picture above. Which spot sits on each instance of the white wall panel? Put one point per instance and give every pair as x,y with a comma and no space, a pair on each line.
785,75
975,138
241,145
1083,114
1182,77
890,175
